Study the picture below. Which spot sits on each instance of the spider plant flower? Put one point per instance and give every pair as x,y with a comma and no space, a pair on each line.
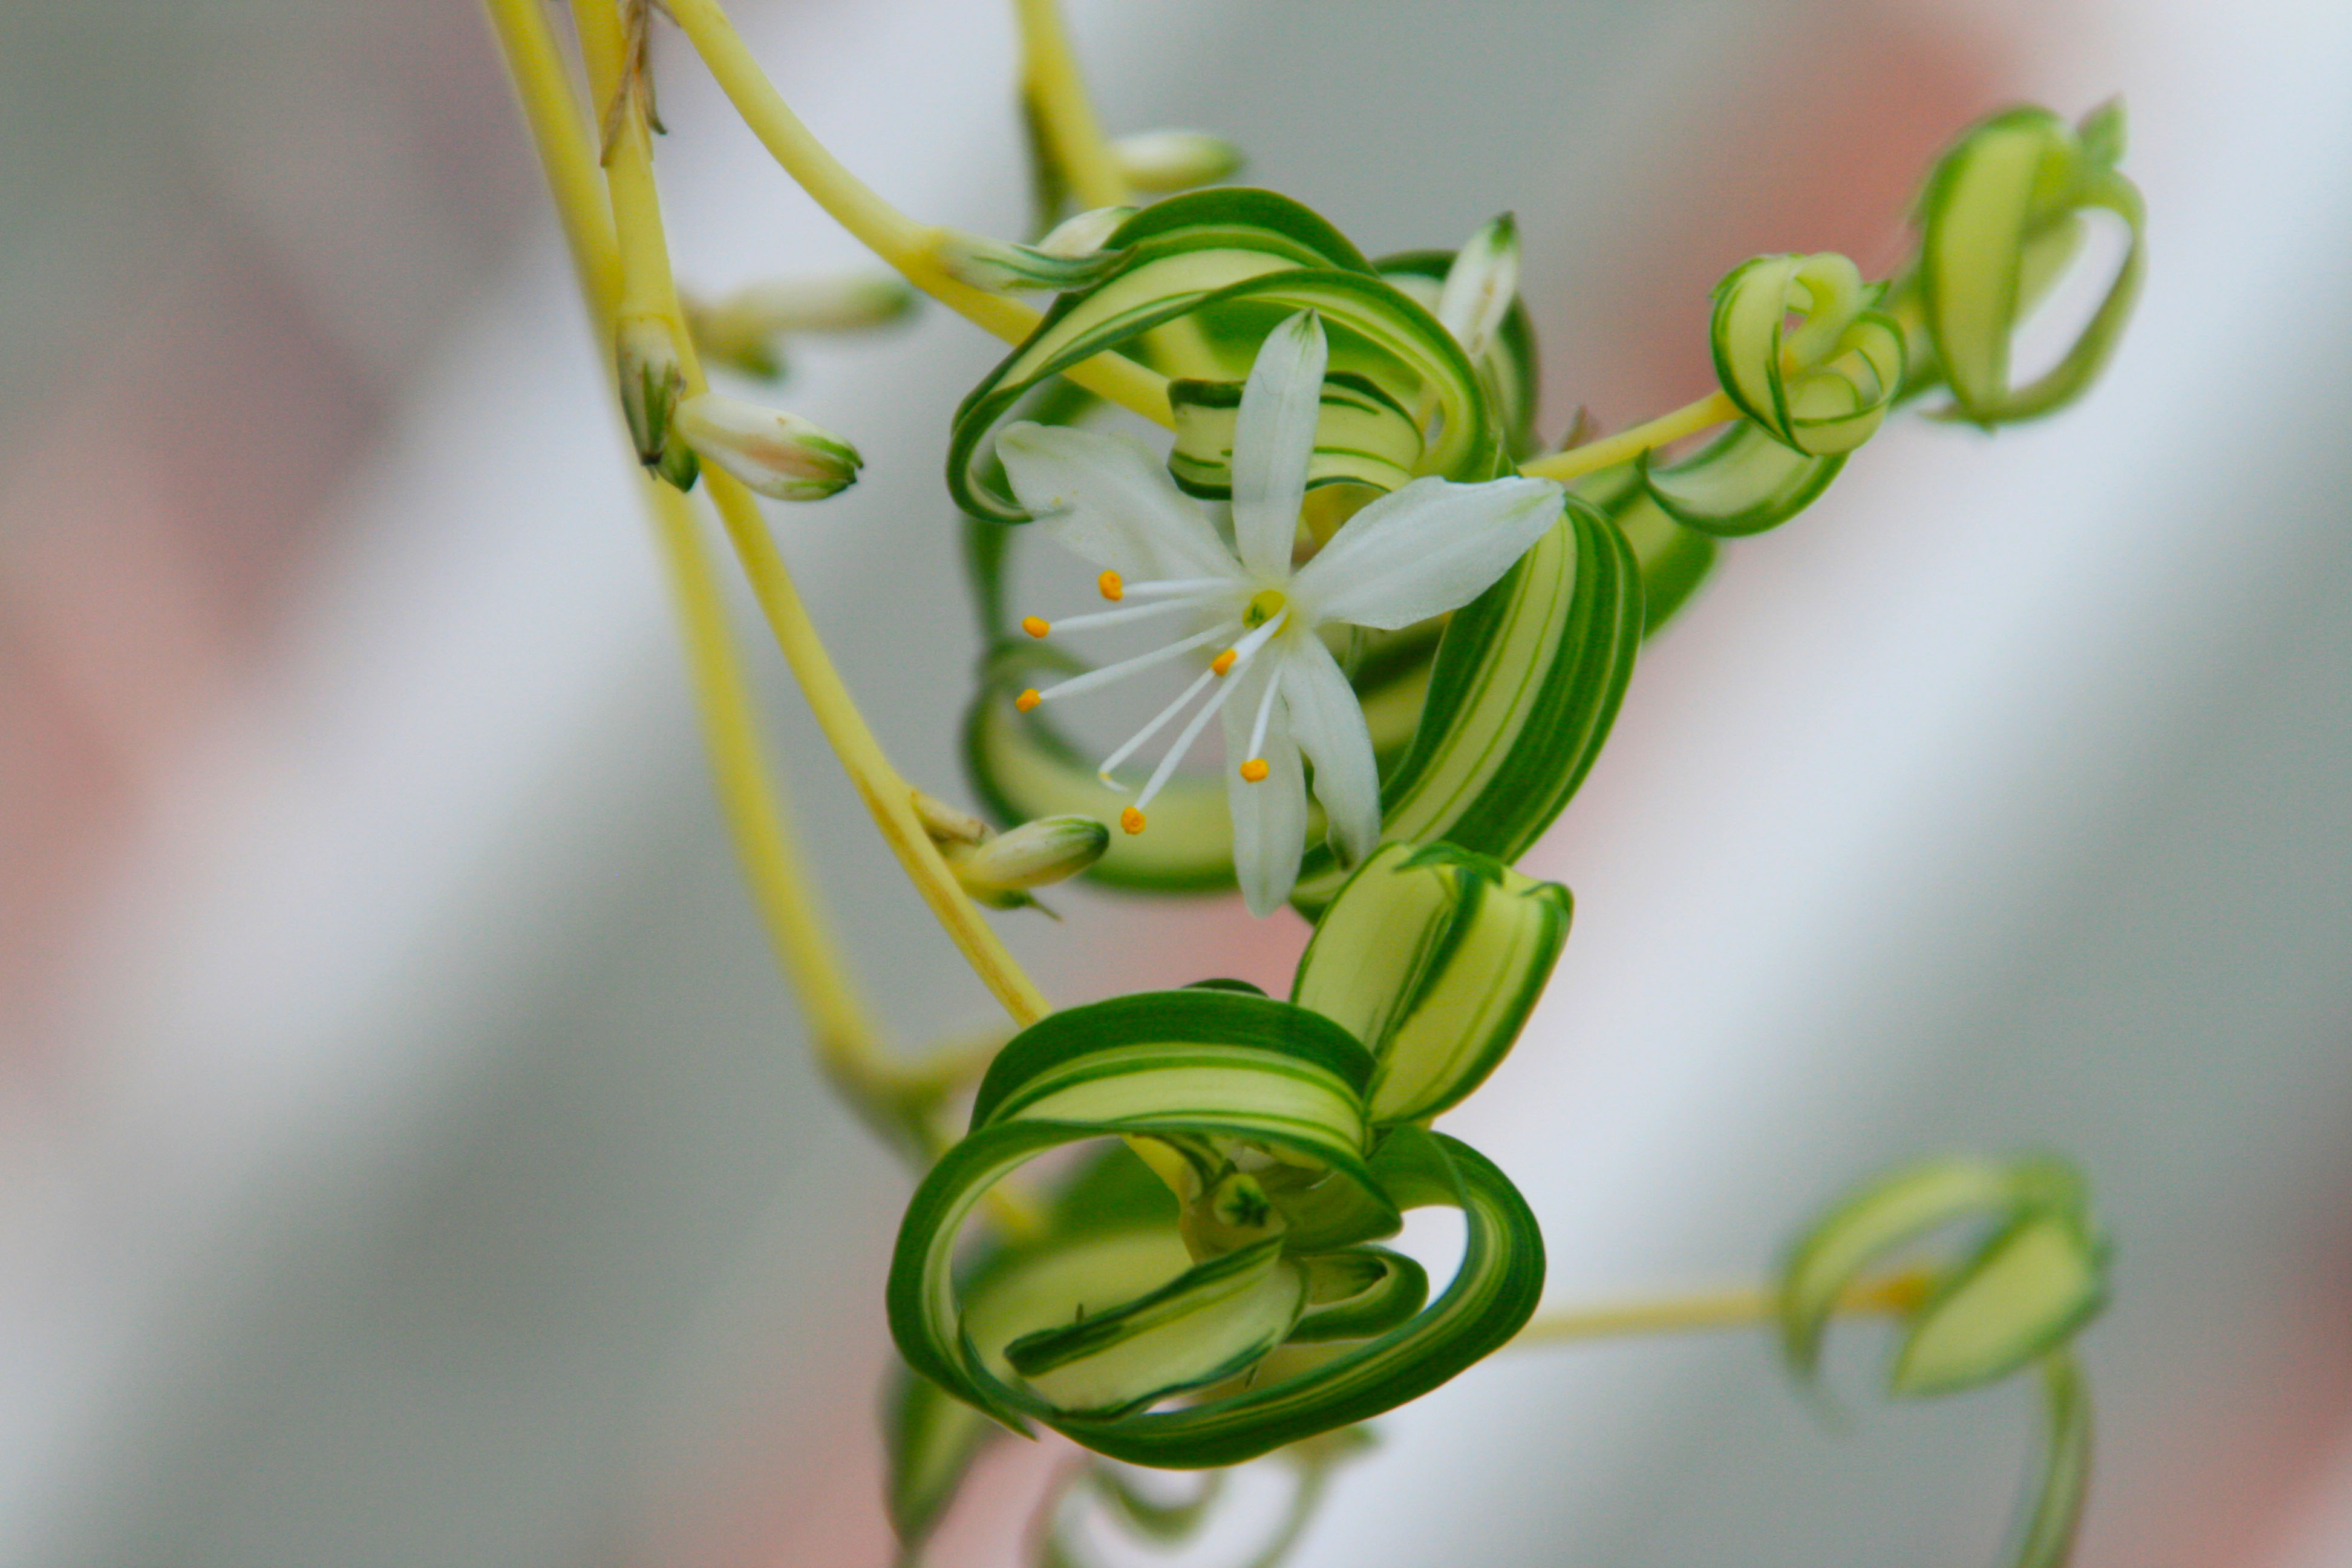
1255,615
651,382
777,454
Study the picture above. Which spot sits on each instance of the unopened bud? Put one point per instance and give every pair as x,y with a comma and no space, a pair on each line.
741,330
1000,871
775,453
651,383
1002,268
1481,285
1160,161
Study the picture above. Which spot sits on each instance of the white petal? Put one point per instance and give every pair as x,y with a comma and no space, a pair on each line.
1270,816
1428,548
1273,439
1107,497
1328,723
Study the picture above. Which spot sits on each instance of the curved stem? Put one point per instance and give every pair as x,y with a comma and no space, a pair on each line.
1715,1309
1057,90
647,284
897,239
1715,408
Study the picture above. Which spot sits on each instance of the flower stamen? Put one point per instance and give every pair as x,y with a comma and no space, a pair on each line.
1254,771
1036,625
1112,588
1242,652
1223,663
1127,666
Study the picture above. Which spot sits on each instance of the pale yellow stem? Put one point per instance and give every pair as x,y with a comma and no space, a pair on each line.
1717,1310
909,246
1056,90
1715,408
647,284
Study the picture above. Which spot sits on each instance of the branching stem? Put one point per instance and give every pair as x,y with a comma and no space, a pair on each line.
909,246
1609,451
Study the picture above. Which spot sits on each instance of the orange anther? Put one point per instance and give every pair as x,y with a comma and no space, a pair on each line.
1035,626
1132,820
1223,661
1112,588
1254,771
1027,699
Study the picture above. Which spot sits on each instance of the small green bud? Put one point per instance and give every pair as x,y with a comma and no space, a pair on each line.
1157,161
776,453
651,383
1000,871
1081,236
1481,285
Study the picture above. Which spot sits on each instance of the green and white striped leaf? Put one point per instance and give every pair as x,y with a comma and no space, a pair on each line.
1358,1294
1823,387
2063,1474
1493,1294
1112,1221
1744,481
1214,1321
1673,557
1433,957
1507,366
1364,436
1526,681
1090,1336
2034,1283
1233,263
1999,219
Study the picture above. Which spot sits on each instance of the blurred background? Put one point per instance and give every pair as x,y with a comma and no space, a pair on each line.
407,1155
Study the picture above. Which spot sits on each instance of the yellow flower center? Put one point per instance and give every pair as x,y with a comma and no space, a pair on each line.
1266,604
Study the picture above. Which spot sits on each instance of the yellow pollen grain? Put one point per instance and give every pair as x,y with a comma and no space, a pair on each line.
1027,699
1254,771
1112,588
1132,820
1035,626
1225,662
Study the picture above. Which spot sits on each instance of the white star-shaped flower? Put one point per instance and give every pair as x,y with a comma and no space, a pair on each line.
1427,548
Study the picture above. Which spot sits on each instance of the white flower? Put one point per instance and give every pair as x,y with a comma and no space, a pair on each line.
1425,549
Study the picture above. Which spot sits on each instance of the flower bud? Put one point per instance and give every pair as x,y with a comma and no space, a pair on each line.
1481,285
1156,162
651,383
741,330
775,453
1002,268
999,872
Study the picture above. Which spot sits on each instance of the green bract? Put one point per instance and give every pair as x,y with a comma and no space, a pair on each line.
1231,263
1254,1112
2034,1276
2000,217
1433,957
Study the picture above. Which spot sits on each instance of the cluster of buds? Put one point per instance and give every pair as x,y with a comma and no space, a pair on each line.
774,452
998,869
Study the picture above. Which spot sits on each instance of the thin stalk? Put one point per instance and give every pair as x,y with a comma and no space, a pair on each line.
647,284
1055,86
1592,457
909,246
1738,1309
